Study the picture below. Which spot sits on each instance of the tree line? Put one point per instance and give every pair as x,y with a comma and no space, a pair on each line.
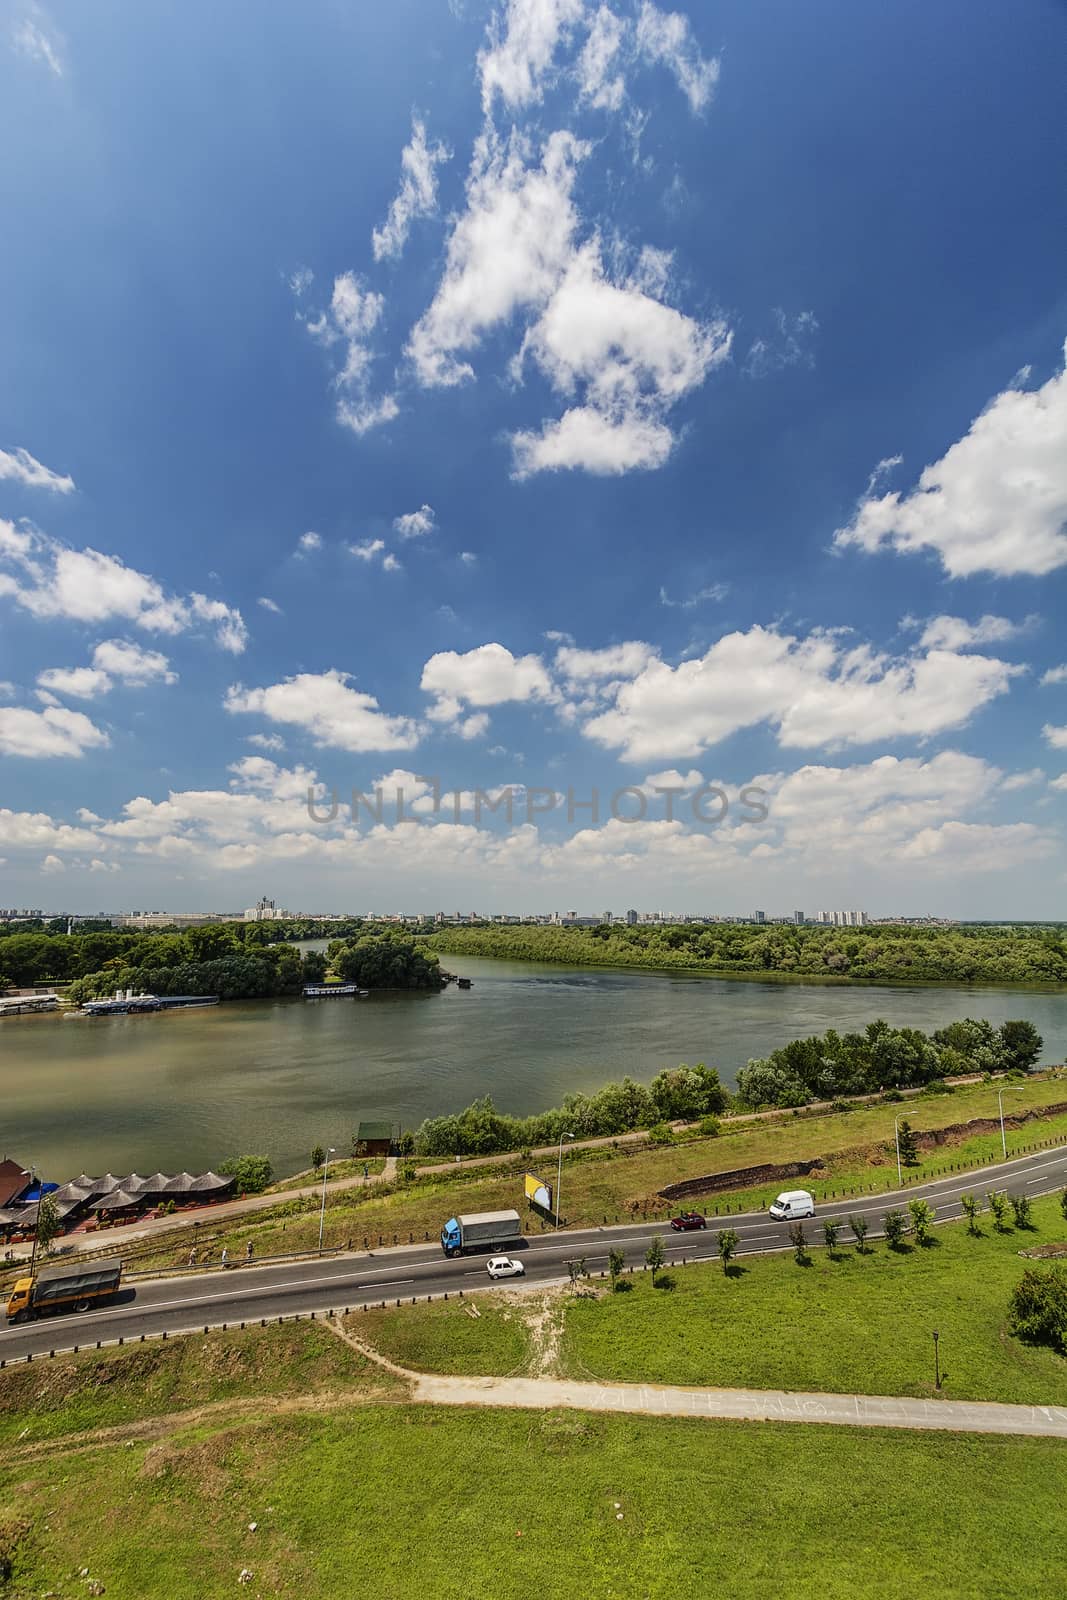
889,953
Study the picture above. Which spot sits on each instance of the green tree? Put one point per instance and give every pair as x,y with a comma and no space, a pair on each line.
251,1173
908,1145
895,1226
971,1207
998,1205
831,1232
1021,1045
799,1243
1021,1210
727,1242
859,1226
576,1269
314,967
1037,1310
655,1256
616,1264
48,1224
922,1220
318,1156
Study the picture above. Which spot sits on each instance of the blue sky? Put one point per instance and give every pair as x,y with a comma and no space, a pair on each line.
547,396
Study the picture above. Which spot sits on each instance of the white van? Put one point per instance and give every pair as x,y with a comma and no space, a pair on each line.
792,1205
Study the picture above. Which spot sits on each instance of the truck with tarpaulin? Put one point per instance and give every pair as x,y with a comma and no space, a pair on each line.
482,1230
76,1289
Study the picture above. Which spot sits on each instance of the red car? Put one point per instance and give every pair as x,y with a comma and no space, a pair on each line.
688,1220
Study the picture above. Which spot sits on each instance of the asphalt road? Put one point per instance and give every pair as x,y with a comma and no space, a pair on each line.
243,1293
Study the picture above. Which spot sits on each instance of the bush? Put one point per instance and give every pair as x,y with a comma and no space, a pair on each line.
1021,1209
1037,1310
998,1205
709,1127
252,1173
859,1226
922,1220
895,1225
799,1242
971,1206
660,1134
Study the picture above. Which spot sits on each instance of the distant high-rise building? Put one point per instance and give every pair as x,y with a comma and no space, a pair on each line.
631,919
608,918
799,918
759,916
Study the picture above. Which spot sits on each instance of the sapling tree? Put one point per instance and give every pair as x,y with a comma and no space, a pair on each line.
727,1241
908,1145
895,1226
318,1156
655,1256
616,1263
859,1226
47,1223
998,1205
971,1206
1021,1210
922,1220
831,1232
799,1242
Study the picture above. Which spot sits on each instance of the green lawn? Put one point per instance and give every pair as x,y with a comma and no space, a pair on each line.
400,1502
49,1399
476,1335
858,1324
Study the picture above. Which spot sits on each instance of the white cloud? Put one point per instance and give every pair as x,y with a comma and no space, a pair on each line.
486,676
96,865
1056,737
84,683
710,591
598,83
52,732
34,36
665,37
954,633
367,550
588,439
468,558
53,864
301,280
308,542
131,664
34,830
522,46
790,345
506,251
20,467
354,314
631,355
88,586
270,605
266,741
613,661
813,691
997,499
413,524
417,195
963,846
391,564
324,705
1023,780
1054,675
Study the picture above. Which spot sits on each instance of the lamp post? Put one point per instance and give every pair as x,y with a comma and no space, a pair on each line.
937,1363
322,1210
559,1170
1012,1089
37,1223
896,1139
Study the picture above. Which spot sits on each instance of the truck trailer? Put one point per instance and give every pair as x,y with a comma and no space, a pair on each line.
73,1290
483,1230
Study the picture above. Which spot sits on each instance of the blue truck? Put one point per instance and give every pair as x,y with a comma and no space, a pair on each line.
483,1230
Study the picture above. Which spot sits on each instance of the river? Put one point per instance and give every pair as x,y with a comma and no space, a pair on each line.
185,1090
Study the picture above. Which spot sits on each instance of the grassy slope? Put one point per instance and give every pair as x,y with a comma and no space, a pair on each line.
50,1399
856,1324
605,1182
504,1505
446,1337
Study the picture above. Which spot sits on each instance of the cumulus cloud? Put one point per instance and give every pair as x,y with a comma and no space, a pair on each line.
613,661
266,741
996,501
486,676
417,195
954,633
52,732
1054,736
349,323
413,524
130,663
586,439
19,466
506,252
523,39
665,37
54,580
308,543
1054,675
329,710
84,683
815,691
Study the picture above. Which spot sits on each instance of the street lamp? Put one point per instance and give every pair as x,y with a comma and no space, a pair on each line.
322,1211
559,1170
937,1364
1012,1089
32,1175
896,1136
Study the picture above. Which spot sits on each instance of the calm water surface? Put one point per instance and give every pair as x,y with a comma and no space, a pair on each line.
188,1089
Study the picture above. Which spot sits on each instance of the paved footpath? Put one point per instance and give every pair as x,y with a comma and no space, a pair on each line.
747,1405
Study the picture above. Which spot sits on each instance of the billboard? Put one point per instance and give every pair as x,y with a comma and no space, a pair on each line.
538,1193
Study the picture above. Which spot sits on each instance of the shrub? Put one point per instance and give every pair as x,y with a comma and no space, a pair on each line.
859,1226
971,1206
998,1205
727,1242
655,1256
895,1224
831,1230
922,1220
1021,1209
709,1126
252,1173
799,1243
660,1134
1037,1310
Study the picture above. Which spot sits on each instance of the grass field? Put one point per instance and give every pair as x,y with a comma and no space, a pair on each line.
52,1399
858,1324
480,1335
504,1505
607,1182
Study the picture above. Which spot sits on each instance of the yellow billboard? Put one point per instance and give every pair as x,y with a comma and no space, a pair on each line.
538,1193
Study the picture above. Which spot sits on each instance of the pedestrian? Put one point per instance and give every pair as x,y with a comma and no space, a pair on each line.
225,1256
366,1172
248,1250
192,1256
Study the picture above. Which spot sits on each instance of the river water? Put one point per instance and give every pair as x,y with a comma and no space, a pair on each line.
187,1089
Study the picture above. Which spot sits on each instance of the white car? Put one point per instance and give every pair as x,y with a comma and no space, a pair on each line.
504,1267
